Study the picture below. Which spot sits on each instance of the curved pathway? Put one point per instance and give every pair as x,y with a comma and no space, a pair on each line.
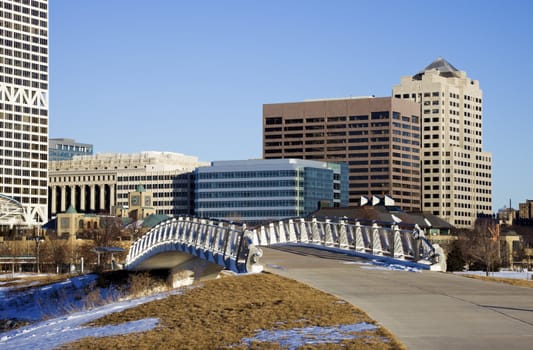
425,310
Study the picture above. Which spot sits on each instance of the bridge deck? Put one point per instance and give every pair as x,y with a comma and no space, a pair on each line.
426,310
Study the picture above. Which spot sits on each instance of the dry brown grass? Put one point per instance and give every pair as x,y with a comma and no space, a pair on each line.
221,312
511,281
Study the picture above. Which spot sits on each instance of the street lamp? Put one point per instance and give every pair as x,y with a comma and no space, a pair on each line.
2,254
37,240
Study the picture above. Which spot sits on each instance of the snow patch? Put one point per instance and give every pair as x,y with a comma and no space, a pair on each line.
380,265
55,332
523,275
296,337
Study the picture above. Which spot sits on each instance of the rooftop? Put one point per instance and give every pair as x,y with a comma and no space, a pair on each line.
444,67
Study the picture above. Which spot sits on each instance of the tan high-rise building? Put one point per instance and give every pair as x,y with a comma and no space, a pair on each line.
456,172
379,139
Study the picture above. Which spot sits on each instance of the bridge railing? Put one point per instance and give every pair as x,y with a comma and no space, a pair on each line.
373,240
235,247
224,243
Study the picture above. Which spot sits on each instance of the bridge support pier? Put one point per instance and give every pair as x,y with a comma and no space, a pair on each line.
192,270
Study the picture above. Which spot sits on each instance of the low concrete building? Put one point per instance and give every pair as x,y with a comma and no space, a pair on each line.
96,184
255,191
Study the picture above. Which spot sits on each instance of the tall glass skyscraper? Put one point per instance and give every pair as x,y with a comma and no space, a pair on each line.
24,106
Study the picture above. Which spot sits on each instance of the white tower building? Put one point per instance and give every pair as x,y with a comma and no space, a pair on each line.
24,107
456,172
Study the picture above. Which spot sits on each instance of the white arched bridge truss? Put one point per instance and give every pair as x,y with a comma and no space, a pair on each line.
236,247
13,213
226,244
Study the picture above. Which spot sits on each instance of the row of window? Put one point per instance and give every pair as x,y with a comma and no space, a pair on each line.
65,155
26,155
384,115
15,44
84,178
178,206
20,43
144,178
291,203
23,82
21,181
382,139
23,73
159,186
22,163
246,174
379,125
172,194
17,117
250,184
24,127
7,23
21,29
24,190
35,4
242,214
437,94
248,194
22,118
25,64
34,57
18,27
23,145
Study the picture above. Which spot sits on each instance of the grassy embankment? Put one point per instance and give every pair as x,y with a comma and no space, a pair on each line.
219,313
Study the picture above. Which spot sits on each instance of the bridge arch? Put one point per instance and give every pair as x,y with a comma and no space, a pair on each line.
224,243
235,247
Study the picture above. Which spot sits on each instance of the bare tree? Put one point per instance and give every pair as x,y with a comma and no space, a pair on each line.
519,253
107,235
481,244
55,251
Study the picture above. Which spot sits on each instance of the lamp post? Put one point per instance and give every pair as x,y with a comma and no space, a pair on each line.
2,254
37,240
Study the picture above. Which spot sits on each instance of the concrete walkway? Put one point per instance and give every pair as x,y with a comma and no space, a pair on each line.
425,310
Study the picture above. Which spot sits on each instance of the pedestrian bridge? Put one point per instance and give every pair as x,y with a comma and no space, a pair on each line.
236,247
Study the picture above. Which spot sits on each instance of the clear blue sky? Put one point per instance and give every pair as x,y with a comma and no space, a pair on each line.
192,76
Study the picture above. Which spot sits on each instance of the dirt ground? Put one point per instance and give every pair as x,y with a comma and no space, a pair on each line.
219,313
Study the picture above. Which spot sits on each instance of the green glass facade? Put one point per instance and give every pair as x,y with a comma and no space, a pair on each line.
256,191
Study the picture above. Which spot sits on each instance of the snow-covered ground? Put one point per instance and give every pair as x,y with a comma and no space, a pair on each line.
37,305
57,311
34,304
523,275
54,332
296,337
